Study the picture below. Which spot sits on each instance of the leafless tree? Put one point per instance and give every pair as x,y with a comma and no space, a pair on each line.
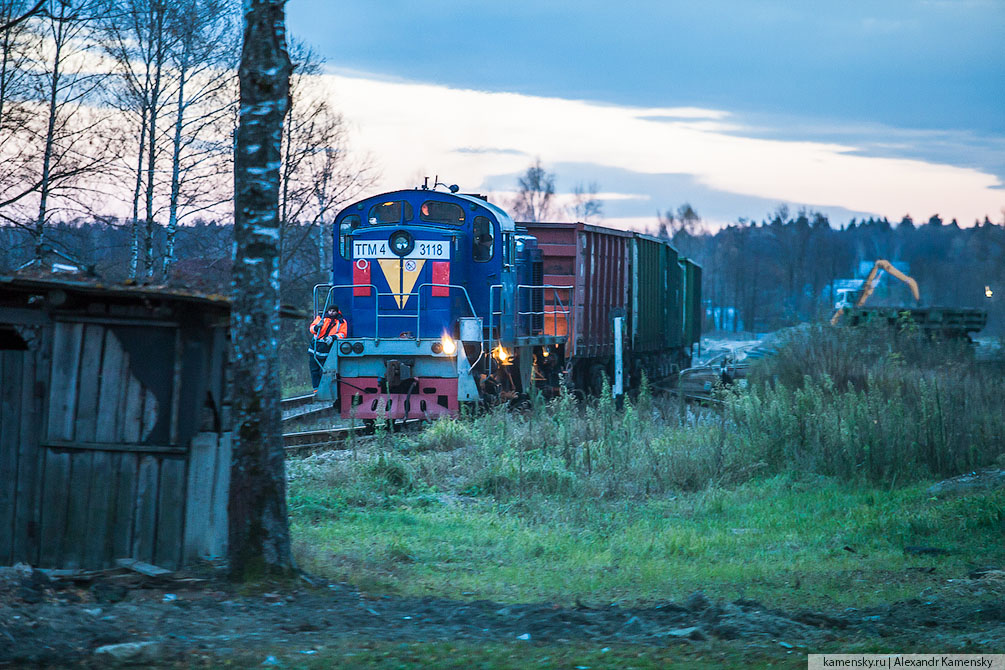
15,14
138,38
585,205
201,69
533,201
56,137
684,220
259,539
319,172
17,44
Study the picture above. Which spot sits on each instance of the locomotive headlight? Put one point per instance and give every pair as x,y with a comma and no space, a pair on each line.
401,243
449,348
357,348
501,354
437,348
345,348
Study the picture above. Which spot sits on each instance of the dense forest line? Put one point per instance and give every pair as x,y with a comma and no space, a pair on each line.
758,276
784,269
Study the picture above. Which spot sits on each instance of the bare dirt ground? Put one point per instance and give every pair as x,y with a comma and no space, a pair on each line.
200,618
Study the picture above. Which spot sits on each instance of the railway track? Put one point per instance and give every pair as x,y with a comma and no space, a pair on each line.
328,438
305,407
325,438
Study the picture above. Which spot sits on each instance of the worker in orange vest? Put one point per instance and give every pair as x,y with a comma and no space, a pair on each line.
324,331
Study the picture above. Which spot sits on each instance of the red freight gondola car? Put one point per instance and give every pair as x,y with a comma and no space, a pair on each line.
618,273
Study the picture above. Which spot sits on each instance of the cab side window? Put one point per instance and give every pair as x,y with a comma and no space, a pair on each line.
348,224
483,240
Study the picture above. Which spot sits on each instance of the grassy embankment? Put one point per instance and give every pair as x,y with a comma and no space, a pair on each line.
803,490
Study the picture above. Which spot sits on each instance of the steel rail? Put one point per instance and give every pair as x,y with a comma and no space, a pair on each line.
327,437
287,404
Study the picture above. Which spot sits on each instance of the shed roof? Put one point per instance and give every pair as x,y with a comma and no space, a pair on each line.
102,290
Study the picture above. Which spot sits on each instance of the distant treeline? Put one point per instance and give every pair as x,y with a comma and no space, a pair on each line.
758,276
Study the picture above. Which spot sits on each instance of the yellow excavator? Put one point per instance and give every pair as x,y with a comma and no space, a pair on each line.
869,286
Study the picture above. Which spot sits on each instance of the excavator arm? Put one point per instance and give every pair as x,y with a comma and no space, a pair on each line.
869,286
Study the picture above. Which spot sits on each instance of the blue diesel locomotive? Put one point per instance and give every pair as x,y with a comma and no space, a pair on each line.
445,305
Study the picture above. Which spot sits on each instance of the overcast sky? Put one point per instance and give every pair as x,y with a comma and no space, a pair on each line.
852,108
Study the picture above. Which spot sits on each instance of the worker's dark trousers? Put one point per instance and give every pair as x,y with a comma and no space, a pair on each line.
316,364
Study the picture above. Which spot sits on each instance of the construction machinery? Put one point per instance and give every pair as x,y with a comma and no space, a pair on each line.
869,285
935,321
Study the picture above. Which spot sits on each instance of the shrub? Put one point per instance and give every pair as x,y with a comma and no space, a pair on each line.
868,403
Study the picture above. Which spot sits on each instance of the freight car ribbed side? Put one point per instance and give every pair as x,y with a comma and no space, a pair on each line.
693,310
656,301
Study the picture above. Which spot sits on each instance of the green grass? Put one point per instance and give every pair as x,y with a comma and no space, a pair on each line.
781,540
803,490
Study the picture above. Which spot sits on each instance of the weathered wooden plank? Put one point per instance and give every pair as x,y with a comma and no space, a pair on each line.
63,381
170,513
78,499
221,490
116,446
199,501
110,396
100,512
141,567
34,396
126,467
151,410
113,320
217,382
89,384
54,499
179,358
11,379
145,511
132,416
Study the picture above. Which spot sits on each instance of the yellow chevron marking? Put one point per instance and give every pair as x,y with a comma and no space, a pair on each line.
409,274
392,273
401,276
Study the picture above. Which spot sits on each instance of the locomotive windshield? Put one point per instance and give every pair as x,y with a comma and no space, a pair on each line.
436,211
349,223
389,212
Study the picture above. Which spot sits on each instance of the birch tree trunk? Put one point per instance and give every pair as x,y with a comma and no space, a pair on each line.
158,10
172,227
134,249
58,34
259,539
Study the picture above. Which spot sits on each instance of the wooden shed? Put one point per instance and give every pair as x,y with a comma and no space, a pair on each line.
114,424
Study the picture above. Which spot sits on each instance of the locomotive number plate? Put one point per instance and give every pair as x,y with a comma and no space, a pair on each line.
437,250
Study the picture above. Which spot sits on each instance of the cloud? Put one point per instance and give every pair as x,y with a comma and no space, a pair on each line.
413,126
489,150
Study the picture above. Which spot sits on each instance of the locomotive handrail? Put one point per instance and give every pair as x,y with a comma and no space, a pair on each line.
564,311
377,314
555,288
561,309
418,314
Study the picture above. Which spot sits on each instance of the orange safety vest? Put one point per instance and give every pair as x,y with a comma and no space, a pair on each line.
336,327
322,328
